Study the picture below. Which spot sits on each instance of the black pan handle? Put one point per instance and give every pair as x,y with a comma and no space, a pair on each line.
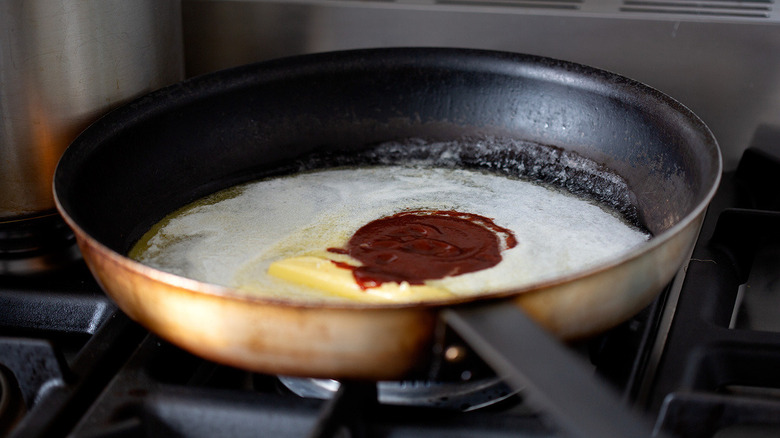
550,375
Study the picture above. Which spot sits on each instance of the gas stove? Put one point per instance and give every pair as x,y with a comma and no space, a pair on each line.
700,361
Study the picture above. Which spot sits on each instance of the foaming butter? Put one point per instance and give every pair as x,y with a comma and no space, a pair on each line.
286,225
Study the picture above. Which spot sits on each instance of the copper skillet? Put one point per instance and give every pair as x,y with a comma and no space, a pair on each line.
143,160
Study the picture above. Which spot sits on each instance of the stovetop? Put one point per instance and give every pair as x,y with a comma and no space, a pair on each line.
700,361
722,350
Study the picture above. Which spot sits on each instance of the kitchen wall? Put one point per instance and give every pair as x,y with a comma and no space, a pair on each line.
718,58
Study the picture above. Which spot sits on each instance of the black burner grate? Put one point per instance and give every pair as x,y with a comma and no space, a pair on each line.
719,370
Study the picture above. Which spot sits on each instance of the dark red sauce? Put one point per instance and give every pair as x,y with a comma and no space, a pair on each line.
420,245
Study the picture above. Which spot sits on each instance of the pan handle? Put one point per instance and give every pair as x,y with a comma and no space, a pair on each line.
550,375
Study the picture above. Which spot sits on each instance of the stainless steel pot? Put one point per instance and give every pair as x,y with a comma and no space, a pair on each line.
64,63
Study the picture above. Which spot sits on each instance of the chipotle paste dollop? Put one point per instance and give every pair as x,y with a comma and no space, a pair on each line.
419,245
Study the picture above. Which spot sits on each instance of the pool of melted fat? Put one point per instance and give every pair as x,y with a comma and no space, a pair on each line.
232,237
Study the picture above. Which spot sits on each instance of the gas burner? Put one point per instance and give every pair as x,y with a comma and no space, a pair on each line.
463,396
35,245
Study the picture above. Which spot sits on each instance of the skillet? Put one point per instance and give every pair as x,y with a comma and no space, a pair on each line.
149,157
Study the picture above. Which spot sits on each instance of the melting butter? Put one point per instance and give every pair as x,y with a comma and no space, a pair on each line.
232,238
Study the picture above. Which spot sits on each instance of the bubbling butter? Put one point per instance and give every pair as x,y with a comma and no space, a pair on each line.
231,238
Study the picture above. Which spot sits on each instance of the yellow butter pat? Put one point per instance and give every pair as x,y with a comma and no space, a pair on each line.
322,274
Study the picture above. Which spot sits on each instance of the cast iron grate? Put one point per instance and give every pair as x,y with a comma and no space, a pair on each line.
717,376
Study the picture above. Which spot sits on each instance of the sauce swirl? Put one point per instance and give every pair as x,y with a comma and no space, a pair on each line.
419,245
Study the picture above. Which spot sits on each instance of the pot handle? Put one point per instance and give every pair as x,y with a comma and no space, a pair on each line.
550,375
